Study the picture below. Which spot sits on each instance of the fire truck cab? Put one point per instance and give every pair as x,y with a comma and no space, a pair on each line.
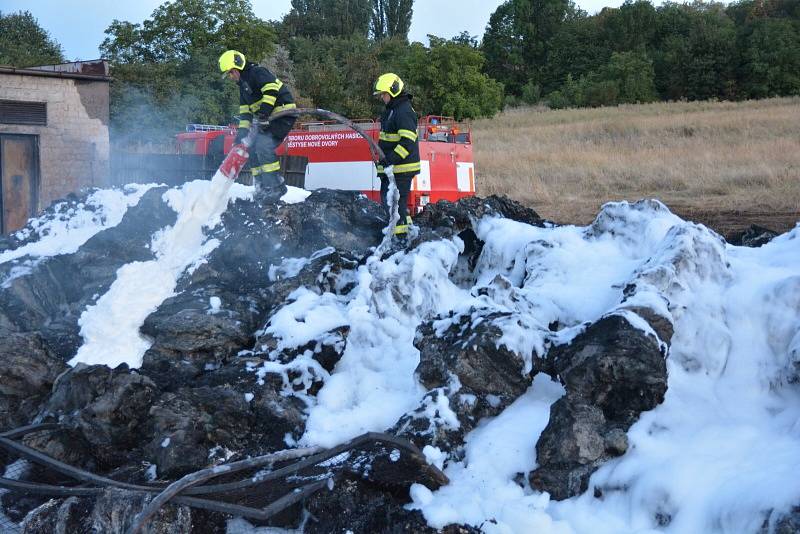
329,155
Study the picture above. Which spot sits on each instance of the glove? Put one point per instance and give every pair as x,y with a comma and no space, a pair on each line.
241,133
383,163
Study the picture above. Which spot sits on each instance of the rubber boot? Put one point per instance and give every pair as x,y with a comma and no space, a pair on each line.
270,186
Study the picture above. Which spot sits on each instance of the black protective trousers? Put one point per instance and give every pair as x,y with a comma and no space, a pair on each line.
264,163
403,181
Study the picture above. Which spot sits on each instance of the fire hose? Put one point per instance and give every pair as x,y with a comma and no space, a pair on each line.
377,153
392,195
239,154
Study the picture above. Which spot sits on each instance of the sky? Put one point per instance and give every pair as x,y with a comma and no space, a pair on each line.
79,24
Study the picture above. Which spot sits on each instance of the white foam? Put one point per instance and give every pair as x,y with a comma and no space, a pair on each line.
110,327
67,228
295,195
718,455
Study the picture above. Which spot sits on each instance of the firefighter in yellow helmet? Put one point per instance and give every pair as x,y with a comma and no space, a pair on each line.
261,93
399,142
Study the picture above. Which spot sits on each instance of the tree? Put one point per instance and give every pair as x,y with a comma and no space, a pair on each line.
582,46
182,29
771,58
694,51
391,19
23,43
519,38
632,72
632,26
503,49
166,72
332,18
337,73
579,48
465,38
448,79
282,66
744,12
768,47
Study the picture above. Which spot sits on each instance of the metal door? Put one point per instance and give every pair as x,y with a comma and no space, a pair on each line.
19,180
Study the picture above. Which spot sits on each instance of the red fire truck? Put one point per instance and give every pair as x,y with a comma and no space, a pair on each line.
328,154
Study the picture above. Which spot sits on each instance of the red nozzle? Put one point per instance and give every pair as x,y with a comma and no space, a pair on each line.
234,161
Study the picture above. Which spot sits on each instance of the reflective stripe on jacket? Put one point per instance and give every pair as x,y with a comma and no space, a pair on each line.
262,93
398,138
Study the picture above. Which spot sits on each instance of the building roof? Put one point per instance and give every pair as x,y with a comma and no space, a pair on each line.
96,70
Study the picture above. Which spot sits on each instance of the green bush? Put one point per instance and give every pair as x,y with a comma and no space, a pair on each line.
556,100
531,93
633,74
572,90
601,93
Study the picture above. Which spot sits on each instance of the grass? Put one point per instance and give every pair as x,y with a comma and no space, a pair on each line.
727,164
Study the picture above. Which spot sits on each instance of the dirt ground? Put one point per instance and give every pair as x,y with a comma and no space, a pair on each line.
729,223
726,222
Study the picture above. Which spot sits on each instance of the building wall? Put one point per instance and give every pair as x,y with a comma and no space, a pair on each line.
74,146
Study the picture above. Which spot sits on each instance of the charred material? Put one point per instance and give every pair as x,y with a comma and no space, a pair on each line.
257,488
469,377
612,373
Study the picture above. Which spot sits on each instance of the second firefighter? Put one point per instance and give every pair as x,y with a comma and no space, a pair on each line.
399,142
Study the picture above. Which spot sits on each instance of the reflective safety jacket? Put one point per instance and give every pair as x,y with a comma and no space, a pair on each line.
261,93
398,138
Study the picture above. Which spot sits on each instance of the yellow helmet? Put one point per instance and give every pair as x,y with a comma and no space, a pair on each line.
231,59
389,83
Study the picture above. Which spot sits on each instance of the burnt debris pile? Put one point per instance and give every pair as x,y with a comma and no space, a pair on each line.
223,378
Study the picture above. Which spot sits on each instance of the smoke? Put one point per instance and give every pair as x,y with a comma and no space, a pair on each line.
150,103
142,122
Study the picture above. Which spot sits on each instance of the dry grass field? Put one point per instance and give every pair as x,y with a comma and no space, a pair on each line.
724,164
